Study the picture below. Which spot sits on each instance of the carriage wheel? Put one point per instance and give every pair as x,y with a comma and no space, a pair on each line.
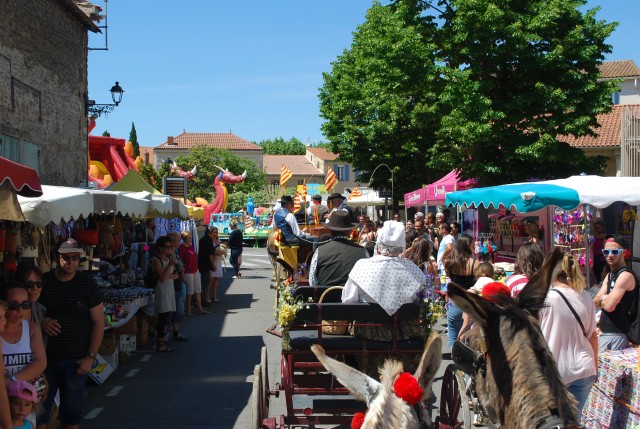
453,400
264,366
256,398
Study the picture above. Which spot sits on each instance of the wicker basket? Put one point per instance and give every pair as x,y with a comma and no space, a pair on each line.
333,327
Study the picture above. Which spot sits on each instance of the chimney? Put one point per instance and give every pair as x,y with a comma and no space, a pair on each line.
170,141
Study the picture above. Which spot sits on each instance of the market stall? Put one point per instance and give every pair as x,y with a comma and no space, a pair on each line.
16,179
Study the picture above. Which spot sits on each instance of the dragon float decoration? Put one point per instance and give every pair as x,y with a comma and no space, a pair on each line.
222,195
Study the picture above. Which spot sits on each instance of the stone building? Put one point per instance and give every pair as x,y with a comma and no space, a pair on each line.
181,144
43,87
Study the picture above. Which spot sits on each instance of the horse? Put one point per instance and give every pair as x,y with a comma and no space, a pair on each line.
514,375
386,409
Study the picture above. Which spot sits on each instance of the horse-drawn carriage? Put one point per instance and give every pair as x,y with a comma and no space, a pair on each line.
512,378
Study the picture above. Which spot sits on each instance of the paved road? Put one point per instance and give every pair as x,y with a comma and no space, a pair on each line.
207,382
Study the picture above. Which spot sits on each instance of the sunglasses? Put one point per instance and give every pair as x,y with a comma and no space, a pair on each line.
31,284
614,252
68,258
14,305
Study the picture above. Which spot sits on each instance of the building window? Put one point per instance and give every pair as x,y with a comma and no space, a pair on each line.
616,97
340,172
275,182
10,148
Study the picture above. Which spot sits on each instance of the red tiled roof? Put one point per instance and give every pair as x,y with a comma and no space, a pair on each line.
322,153
298,164
617,69
608,134
218,140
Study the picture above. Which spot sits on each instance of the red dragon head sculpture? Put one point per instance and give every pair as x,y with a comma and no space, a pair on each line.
189,175
226,176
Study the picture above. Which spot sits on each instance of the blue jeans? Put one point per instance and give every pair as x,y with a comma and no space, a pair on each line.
181,295
233,258
61,374
580,389
454,323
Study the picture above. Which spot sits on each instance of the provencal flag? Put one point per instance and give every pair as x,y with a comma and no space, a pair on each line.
285,175
331,180
356,193
296,202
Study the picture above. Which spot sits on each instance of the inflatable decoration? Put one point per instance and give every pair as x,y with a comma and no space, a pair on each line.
189,175
222,196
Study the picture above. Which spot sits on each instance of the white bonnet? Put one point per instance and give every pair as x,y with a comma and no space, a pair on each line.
392,234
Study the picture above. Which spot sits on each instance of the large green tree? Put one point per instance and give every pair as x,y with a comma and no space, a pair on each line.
208,159
520,74
280,146
379,99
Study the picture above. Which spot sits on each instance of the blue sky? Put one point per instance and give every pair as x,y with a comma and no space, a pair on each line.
250,67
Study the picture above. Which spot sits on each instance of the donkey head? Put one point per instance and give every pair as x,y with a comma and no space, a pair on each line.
516,378
386,408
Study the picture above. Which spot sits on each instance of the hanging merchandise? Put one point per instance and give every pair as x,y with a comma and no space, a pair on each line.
570,232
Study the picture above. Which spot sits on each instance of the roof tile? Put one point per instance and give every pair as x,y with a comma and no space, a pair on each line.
218,140
298,164
608,134
322,153
618,69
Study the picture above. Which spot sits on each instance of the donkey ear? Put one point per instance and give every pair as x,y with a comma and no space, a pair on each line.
478,307
360,385
429,362
533,295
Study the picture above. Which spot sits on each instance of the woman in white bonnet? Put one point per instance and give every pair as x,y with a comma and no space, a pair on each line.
386,279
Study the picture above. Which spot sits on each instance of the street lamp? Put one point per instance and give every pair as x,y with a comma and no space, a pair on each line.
371,179
97,110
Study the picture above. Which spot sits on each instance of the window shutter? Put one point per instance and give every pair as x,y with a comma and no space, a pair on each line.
31,155
346,172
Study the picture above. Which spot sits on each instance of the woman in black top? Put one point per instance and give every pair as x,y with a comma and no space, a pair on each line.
459,267
235,246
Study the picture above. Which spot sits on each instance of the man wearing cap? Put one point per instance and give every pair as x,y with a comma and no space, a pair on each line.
332,262
74,323
338,202
317,212
284,220
616,296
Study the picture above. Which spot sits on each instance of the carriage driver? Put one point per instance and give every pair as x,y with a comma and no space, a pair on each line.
284,220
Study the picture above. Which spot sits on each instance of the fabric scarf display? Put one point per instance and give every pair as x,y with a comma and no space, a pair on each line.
164,226
390,281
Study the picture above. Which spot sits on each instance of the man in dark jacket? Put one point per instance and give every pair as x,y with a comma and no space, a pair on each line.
332,262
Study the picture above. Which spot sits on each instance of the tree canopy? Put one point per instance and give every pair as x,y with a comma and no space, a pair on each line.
280,146
485,86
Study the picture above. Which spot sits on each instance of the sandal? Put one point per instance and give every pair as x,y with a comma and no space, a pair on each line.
163,347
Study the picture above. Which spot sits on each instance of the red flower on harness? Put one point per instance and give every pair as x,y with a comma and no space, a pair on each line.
357,420
408,389
495,288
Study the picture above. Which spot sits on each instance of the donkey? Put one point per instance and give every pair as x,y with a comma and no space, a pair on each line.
515,376
386,409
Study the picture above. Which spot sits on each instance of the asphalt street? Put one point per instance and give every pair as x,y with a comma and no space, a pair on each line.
206,382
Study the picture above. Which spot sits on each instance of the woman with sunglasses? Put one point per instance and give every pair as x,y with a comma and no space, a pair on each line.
31,277
22,346
616,296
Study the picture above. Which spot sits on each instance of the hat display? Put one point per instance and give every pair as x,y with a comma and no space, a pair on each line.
317,197
286,199
340,221
392,233
71,246
336,195
23,390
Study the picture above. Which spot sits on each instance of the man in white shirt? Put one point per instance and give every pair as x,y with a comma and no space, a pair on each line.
284,220
446,244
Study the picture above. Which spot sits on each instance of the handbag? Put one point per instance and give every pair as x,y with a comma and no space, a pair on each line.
42,387
566,301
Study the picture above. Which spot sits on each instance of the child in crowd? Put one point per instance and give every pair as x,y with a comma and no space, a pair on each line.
484,275
22,402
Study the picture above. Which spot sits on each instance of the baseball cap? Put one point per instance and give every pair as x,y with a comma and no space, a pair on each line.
71,246
619,240
22,389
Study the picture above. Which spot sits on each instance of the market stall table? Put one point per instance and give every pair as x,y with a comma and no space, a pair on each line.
614,400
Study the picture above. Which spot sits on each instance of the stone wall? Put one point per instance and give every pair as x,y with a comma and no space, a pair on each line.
43,82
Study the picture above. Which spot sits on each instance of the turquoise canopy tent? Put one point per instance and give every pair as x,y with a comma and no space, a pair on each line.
525,197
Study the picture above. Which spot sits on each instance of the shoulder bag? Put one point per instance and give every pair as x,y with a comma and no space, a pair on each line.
566,301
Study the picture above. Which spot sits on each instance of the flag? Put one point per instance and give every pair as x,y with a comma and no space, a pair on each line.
303,195
296,202
356,193
285,175
316,218
331,180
